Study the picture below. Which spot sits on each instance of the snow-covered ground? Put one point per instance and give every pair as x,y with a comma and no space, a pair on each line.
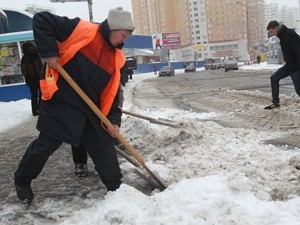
215,174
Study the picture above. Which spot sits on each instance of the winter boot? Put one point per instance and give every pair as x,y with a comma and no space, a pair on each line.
24,193
273,106
81,170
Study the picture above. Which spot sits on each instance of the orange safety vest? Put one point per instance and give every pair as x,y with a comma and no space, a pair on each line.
80,37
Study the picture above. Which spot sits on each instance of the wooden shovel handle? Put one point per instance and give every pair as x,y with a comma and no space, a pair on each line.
96,110
103,118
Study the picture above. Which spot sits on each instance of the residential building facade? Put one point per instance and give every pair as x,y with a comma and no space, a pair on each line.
208,28
163,16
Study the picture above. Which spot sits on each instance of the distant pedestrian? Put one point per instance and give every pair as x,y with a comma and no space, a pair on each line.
31,65
258,59
290,46
124,75
155,69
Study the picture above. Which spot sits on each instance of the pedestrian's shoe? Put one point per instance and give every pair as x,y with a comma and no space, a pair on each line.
36,113
81,170
273,106
24,193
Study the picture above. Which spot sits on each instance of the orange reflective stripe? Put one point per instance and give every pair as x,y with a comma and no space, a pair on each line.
83,34
110,91
80,37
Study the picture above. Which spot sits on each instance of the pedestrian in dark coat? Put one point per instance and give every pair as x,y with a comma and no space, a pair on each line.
155,69
91,54
31,65
290,46
258,59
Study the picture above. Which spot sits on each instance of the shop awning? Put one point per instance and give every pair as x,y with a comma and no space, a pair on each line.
17,36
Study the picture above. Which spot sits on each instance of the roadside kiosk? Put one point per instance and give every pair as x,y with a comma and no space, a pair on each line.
15,29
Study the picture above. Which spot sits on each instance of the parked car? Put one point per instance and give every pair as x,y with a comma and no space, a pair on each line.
191,67
231,64
166,71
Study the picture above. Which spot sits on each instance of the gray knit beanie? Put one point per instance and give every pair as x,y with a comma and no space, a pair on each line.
119,19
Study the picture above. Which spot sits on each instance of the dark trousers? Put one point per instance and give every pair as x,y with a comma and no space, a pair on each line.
35,98
279,75
103,156
79,154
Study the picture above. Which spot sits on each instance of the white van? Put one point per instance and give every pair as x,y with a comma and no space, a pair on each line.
213,63
231,64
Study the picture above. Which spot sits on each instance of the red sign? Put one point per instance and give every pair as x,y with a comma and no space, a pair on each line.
62,1
222,53
171,40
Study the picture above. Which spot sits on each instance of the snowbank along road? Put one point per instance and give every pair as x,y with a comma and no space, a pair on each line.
222,128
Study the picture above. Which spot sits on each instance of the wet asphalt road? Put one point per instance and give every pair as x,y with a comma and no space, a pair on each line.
239,80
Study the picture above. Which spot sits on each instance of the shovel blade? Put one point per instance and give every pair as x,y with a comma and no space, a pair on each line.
149,180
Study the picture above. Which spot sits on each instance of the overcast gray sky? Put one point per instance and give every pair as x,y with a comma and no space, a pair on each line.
292,3
100,7
73,9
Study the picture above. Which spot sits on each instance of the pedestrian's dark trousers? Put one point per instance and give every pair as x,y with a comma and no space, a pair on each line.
279,75
103,156
35,98
79,154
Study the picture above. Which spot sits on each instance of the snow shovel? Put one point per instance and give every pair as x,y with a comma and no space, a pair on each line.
151,120
137,170
103,118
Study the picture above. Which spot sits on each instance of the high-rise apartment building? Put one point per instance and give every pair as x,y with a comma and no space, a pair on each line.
235,22
208,28
162,16
256,28
271,12
289,16
285,14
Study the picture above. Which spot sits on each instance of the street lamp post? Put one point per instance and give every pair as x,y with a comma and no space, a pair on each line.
90,5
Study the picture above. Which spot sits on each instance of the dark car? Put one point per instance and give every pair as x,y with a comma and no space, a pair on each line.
166,71
231,64
190,68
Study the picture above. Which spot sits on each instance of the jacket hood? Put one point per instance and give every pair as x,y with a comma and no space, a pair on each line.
281,29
